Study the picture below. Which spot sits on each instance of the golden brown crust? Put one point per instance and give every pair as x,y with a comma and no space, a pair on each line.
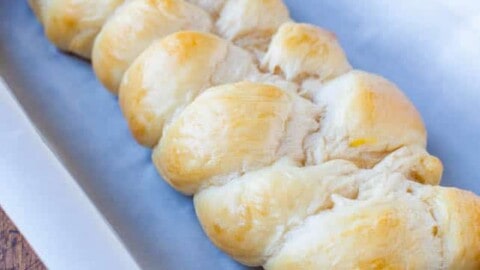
73,25
171,73
366,117
458,215
251,23
262,206
301,51
415,163
135,26
247,121
379,233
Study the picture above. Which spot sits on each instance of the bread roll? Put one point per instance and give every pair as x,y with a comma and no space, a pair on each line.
317,217
139,22
381,233
171,73
301,51
155,77
249,216
254,125
72,25
365,118
251,23
133,27
415,163
418,227
458,216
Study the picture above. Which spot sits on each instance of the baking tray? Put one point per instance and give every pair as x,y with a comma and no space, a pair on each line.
430,49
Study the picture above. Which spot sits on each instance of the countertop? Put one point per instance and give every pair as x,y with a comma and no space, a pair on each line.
15,252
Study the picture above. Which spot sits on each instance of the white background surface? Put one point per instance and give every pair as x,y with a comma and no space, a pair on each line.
46,203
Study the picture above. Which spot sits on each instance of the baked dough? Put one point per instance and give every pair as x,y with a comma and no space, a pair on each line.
400,226
392,231
204,61
260,207
72,25
174,70
211,6
300,51
251,23
253,125
334,216
171,73
133,27
365,117
294,159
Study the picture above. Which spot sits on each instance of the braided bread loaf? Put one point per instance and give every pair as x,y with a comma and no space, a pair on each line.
295,160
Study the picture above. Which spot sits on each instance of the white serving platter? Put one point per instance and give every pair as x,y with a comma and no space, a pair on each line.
430,48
